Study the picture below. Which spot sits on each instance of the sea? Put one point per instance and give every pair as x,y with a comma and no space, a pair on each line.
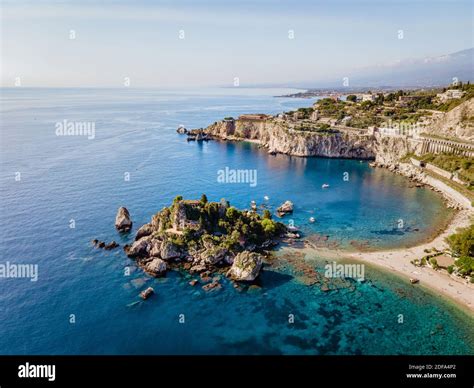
60,191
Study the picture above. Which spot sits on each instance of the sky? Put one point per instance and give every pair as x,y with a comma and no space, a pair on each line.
166,44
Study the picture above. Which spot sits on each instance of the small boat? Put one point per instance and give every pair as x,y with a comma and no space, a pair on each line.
325,186
147,293
253,205
312,219
414,280
266,197
293,228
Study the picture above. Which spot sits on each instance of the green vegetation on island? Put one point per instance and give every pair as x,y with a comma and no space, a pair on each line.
206,238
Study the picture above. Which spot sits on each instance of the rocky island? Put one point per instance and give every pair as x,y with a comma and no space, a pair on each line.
205,238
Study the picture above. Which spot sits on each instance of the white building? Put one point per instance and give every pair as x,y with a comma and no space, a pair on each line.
368,97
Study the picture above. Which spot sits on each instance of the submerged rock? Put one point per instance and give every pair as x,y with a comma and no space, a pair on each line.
147,293
111,245
123,223
246,266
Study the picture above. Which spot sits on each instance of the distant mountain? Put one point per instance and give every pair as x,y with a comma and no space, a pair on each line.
422,72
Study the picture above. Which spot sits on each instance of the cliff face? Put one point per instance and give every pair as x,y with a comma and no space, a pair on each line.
390,149
457,123
277,137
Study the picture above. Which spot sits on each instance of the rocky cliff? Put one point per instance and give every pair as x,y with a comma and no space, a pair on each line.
279,137
390,149
457,123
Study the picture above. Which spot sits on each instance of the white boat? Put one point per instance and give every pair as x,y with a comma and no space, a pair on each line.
312,219
266,197
293,228
325,186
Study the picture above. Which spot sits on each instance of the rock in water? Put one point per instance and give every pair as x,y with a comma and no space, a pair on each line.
287,207
156,267
147,293
181,130
123,223
246,266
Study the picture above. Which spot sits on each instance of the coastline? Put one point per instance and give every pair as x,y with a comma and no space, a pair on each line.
398,260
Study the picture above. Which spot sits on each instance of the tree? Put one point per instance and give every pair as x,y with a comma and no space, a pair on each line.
351,97
232,213
267,215
178,198
268,226
203,199
462,242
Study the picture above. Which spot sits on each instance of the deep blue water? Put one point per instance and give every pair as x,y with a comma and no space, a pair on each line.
65,178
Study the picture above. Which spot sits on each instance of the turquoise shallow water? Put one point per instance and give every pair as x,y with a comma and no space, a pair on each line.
64,178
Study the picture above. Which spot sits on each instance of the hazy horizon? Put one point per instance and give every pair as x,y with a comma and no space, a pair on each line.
183,44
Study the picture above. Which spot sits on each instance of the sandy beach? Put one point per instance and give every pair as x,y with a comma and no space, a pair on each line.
459,290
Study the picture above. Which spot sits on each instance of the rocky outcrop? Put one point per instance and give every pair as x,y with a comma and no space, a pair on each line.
156,267
279,137
169,251
285,208
246,266
123,223
181,130
155,247
214,255
100,244
203,237
140,248
145,230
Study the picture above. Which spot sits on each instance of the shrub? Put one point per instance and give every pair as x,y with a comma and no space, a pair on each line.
434,263
450,269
